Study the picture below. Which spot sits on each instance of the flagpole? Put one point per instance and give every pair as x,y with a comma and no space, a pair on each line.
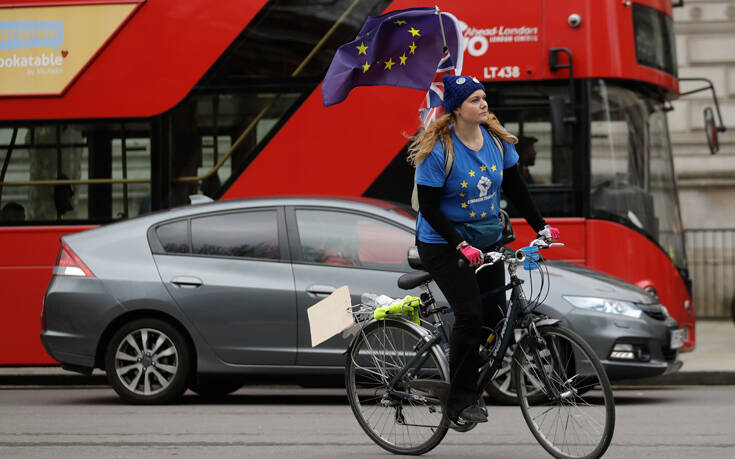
441,26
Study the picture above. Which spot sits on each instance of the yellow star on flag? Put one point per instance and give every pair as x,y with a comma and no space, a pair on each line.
464,205
365,67
472,173
492,207
388,64
461,195
483,168
472,214
483,214
412,48
400,22
414,32
464,184
403,59
494,168
362,49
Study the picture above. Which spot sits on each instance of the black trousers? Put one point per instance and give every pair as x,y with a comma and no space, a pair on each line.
464,291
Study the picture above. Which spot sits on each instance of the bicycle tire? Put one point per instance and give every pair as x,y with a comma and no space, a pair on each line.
395,424
569,426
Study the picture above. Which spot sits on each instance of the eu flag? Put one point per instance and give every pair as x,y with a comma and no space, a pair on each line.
401,48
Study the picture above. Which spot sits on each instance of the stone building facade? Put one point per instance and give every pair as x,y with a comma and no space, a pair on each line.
705,31
705,40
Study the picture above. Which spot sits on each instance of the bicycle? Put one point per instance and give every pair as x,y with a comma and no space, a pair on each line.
397,374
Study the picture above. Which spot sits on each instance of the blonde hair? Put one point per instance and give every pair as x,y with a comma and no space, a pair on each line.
423,142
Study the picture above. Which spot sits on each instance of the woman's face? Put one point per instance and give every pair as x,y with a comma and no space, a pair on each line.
473,109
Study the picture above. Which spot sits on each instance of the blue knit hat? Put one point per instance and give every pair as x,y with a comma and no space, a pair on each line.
457,89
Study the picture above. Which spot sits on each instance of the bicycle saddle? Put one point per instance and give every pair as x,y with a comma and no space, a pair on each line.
413,280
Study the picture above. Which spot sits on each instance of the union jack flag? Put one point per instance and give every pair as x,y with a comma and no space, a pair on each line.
431,109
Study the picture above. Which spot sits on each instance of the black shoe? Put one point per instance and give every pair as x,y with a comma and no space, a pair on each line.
481,404
472,413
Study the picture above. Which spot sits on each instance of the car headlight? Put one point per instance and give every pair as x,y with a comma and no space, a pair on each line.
605,305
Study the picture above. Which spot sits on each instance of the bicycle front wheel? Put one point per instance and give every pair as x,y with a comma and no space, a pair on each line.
563,367
392,418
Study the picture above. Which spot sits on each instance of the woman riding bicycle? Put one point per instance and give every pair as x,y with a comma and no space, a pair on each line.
459,216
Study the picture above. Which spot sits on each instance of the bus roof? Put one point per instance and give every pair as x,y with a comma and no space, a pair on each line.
149,56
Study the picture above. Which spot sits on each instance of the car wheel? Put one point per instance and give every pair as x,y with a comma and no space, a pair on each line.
148,361
215,388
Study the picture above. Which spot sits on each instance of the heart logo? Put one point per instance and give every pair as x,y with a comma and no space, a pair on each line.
64,53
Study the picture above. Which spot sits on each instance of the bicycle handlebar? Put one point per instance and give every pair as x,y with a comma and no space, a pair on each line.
507,254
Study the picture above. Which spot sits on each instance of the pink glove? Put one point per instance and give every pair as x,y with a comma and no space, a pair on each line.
473,256
550,233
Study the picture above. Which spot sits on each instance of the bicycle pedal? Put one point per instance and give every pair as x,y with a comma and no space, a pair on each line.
463,426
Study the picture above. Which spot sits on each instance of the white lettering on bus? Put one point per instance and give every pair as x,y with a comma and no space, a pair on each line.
44,60
506,72
477,41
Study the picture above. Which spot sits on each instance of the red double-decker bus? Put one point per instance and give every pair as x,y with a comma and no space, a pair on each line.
110,109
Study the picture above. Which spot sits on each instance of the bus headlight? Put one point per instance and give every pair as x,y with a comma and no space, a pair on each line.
605,305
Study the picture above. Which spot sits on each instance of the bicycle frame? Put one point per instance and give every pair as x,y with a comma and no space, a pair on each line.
516,311
551,368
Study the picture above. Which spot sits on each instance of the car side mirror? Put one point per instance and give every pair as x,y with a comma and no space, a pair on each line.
414,260
710,130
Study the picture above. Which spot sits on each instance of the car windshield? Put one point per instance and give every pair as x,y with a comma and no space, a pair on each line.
632,170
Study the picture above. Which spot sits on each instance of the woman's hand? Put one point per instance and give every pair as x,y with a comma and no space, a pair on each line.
550,233
473,255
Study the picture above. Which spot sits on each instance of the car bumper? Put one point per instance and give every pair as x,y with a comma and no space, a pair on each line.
73,319
649,336
617,370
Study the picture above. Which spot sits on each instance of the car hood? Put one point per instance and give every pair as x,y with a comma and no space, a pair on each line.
572,279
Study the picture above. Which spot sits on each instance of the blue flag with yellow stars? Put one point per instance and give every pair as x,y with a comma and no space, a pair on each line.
401,48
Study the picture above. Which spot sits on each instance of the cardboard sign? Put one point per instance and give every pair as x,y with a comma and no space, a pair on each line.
330,316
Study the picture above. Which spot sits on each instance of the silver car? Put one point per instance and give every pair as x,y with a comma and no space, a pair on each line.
209,295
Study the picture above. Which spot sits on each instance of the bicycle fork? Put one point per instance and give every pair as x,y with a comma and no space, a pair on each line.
536,344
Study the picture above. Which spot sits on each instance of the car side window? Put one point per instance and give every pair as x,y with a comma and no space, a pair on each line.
351,240
244,234
174,237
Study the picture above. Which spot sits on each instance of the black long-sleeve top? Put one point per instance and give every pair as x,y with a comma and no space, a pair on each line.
513,186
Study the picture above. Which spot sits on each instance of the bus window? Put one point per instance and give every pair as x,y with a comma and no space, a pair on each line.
539,162
254,87
632,177
74,172
205,128
547,170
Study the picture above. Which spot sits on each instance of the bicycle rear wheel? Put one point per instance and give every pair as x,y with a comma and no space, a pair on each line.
398,424
566,424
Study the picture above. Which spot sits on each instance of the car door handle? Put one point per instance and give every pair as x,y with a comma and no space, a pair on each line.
186,282
320,291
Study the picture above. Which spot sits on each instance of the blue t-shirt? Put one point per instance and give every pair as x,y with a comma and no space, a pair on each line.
471,192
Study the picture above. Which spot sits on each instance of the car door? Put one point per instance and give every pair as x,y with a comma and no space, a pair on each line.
231,276
332,248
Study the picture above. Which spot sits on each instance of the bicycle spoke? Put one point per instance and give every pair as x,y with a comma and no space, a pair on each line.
398,424
567,424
